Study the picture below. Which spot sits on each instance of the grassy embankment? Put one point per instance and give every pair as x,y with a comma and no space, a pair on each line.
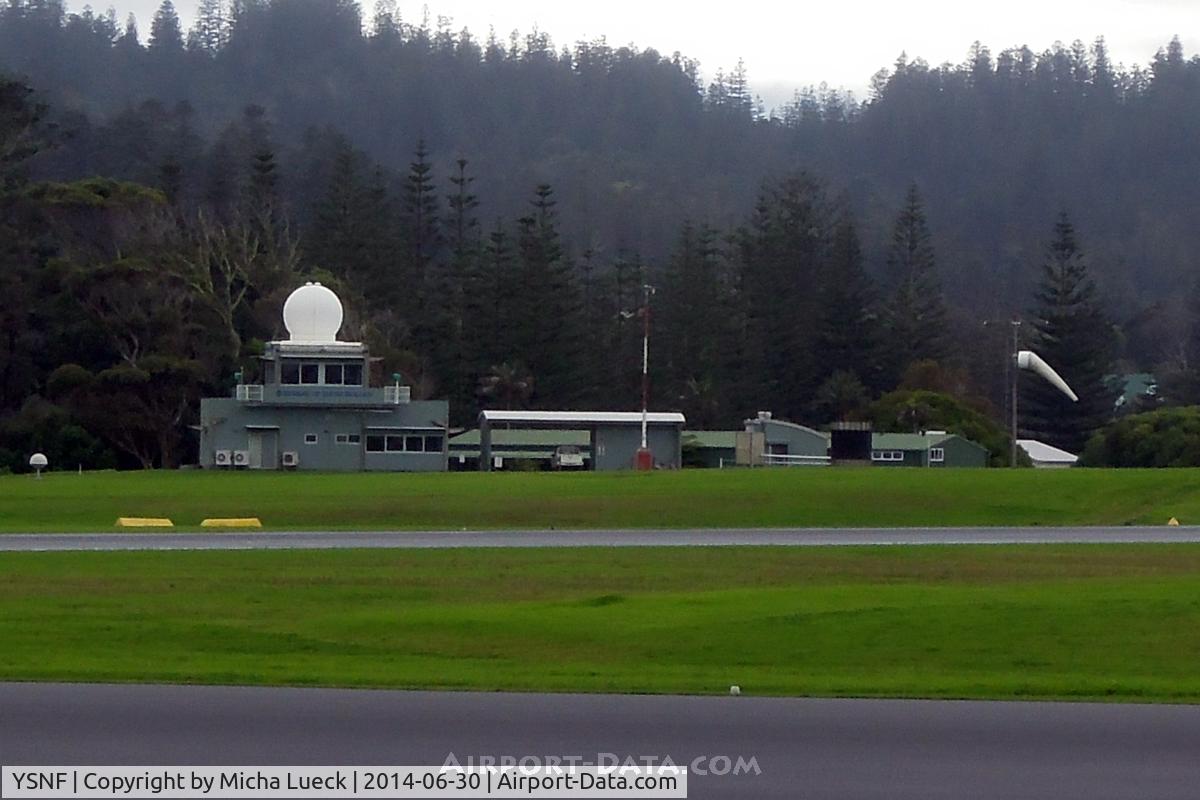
1116,622
690,498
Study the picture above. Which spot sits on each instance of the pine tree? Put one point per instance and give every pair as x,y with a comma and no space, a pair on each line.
349,235
547,336
260,194
262,190
180,158
385,24
129,37
211,29
492,287
1070,331
420,231
445,308
849,333
917,317
781,257
596,320
463,225
166,34
739,98
1104,79
691,326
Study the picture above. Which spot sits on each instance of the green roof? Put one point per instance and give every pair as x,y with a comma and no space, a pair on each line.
906,441
524,438
1131,387
712,439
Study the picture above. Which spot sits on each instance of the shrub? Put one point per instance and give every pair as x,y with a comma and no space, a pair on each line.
1168,437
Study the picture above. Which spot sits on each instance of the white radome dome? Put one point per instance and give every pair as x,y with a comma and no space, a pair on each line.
38,461
312,313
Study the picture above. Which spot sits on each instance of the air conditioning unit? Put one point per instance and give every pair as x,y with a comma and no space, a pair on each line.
241,458
223,458
291,458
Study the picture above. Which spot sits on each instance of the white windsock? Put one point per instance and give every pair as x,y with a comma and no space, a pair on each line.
1027,359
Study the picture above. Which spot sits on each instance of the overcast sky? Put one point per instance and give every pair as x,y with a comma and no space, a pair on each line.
786,45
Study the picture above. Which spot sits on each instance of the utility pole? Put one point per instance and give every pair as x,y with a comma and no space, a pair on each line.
645,458
1016,371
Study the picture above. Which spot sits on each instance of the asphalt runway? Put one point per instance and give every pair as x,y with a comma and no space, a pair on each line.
803,748
793,537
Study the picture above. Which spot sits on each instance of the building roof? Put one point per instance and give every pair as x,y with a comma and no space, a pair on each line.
1045,453
1131,387
581,417
906,441
726,440
524,437
786,424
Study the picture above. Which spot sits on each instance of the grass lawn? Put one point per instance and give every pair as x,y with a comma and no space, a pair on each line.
688,498
1084,621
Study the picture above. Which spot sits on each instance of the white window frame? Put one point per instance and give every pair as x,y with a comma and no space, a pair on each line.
937,455
311,438
348,438
887,455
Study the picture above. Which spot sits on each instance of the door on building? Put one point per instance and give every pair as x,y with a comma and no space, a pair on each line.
263,447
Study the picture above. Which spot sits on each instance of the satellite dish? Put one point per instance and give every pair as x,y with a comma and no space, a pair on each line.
39,462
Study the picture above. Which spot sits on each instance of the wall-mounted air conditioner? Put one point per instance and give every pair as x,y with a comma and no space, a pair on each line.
223,458
291,458
241,458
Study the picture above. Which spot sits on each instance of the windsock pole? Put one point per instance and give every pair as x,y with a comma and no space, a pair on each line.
1016,372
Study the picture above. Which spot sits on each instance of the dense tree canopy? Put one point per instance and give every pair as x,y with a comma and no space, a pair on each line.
491,210
1169,437
634,143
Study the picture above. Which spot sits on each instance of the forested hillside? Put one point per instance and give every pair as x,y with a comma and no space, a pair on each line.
490,207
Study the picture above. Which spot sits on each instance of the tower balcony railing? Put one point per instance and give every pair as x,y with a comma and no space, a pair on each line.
323,395
250,392
397,394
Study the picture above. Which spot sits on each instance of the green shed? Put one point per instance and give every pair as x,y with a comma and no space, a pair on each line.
929,449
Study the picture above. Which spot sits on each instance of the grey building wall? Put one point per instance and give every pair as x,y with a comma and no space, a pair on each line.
962,452
230,424
912,458
616,446
797,440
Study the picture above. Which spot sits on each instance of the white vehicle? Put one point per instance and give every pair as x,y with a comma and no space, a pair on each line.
568,456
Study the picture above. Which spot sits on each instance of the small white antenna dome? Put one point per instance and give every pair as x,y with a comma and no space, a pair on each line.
39,462
312,314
